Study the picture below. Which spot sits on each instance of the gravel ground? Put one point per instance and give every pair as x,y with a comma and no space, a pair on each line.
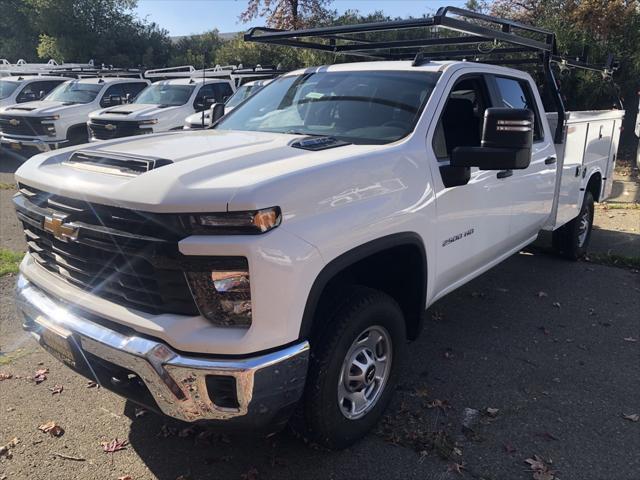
552,345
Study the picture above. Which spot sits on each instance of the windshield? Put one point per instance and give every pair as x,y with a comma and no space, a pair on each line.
242,94
172,95
7,88
75,92
359,107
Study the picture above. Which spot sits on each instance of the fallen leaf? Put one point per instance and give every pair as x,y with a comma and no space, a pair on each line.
52,428
5,376
634,417
457,468
125,477
114,445
56,389
503,290
509,448
140,412
626,339
557,304
540,469
92,384
541,294
422,392
40,375
492,412
441,404
5,450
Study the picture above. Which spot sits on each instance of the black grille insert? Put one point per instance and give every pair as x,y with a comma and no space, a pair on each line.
130,258
21,125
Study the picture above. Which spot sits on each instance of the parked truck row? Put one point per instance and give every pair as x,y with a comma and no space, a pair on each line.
47,111
272,266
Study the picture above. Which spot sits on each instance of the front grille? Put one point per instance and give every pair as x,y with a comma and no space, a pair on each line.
128,257
108,129
19,125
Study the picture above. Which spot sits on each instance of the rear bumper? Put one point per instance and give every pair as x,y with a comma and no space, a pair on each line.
257,392
30,142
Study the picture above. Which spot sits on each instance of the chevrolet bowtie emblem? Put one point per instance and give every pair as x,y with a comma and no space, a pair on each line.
110,126
14,122
59,229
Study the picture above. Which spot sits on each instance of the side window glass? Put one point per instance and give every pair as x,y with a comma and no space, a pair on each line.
133,89
516,94
205,91
109,98
29,93
460,124
222,91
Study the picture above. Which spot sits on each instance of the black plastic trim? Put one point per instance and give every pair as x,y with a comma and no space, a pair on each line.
349,258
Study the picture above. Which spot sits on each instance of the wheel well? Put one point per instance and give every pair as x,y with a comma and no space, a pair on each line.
595,186
395,265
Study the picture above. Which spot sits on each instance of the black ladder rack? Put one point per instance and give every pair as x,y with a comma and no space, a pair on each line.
449,27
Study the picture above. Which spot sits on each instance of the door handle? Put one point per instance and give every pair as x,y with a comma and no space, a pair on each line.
550,160
504,173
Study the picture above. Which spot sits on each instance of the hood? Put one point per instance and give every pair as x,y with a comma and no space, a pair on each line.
204,170
40,107
133,110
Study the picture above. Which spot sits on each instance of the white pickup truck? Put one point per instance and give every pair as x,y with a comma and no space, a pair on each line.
60,118
26,88
161,107
280,261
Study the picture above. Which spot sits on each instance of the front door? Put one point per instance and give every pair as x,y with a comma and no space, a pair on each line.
472,225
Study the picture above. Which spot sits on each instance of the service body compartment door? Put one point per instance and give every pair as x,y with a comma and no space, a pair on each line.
611,164
569,194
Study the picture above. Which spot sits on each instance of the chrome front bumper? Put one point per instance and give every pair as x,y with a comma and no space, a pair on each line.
40,145
266,385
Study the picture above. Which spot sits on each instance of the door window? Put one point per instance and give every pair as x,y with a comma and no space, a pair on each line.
222,92
205,91
515,93
112,91
32,90
461,121
133,89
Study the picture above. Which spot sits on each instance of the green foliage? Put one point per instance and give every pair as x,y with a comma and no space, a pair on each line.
9,261
48,48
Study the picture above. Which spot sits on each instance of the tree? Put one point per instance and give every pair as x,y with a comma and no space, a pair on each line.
18,38
197,50
289,13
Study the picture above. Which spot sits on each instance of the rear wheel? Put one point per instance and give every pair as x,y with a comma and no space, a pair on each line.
572,239
354,368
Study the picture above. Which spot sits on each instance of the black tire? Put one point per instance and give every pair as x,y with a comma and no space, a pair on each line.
356,310
572,240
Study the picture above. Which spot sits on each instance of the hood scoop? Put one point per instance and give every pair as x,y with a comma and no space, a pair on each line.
117,112
26,109
318,143
115,164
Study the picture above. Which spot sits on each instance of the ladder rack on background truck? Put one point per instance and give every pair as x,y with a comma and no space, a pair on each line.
526,44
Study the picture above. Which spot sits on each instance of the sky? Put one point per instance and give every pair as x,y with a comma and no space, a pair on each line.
185,17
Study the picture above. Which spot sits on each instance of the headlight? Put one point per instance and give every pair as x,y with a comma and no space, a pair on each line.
223,296
250,222
50,118
50,130
151,121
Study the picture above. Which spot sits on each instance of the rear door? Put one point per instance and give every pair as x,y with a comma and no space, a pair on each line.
531,189
472,219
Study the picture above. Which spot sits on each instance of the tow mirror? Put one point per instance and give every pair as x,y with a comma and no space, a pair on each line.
41,94
217,112
507,137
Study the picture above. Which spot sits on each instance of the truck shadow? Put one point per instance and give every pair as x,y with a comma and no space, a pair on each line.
516,339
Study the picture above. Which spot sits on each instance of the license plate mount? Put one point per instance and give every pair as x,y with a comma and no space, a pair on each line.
16,146
59,345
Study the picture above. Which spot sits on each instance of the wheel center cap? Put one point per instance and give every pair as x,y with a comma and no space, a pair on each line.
370,374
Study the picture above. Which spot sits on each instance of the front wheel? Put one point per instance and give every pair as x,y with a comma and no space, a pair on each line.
354,368
572,239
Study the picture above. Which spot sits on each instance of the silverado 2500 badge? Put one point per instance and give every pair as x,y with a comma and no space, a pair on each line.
457,237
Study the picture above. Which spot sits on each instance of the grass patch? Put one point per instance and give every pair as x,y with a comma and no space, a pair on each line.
7,186
620,206
8,358
9,261
614,260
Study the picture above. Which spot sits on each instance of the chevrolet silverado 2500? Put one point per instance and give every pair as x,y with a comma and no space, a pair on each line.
279,261
60,118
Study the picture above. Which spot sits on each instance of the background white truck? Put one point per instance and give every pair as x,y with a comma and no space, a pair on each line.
161,107
279,262
26,88
60,119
